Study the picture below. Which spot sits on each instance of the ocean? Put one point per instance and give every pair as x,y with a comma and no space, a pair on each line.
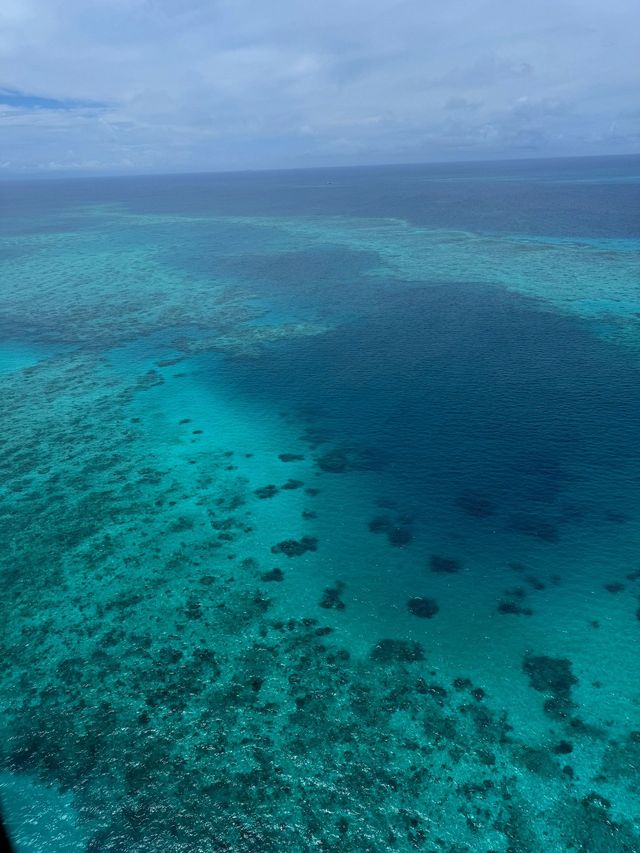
320,510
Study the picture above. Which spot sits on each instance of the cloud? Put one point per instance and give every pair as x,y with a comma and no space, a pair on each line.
154,85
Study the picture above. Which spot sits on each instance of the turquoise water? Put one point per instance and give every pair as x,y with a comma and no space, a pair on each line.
319,508
16,355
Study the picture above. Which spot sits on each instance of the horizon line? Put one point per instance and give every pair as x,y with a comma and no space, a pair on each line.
89,175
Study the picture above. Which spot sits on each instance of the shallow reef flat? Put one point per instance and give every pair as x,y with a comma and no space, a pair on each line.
319,532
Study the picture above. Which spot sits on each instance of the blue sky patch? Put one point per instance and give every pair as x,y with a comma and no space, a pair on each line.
12,98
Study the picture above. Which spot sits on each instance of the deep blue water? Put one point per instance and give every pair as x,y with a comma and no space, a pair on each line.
466,388
567,197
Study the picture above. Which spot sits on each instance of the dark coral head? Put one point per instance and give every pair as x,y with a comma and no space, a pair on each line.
444,565
399,536
397,651
425,608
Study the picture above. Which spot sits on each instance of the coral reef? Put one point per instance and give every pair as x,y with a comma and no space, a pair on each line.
553,676
444,565
397,651
295,547
186,694
332,597
425,608
266,491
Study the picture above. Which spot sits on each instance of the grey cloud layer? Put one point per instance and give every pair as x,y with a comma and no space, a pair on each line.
215,84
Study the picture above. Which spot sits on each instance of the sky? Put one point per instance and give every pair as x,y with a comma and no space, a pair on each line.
128,86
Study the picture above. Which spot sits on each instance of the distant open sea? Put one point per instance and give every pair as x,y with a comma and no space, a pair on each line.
320,510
